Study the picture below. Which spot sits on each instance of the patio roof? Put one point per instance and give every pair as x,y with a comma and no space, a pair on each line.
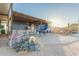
20,17
4,8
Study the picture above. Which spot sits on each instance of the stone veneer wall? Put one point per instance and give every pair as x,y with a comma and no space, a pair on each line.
18,26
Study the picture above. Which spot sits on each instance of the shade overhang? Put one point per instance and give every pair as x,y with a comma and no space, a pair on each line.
4,8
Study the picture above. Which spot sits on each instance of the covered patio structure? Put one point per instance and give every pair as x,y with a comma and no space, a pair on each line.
21,21
5,18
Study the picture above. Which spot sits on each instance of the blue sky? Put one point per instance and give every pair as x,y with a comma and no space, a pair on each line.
59,14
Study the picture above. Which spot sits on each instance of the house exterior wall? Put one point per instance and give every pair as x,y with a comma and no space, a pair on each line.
3,22
18,25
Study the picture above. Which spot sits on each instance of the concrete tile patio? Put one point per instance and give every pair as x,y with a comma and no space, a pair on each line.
52,45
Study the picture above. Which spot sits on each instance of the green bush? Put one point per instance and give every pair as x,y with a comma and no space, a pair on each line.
2,31
1,26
